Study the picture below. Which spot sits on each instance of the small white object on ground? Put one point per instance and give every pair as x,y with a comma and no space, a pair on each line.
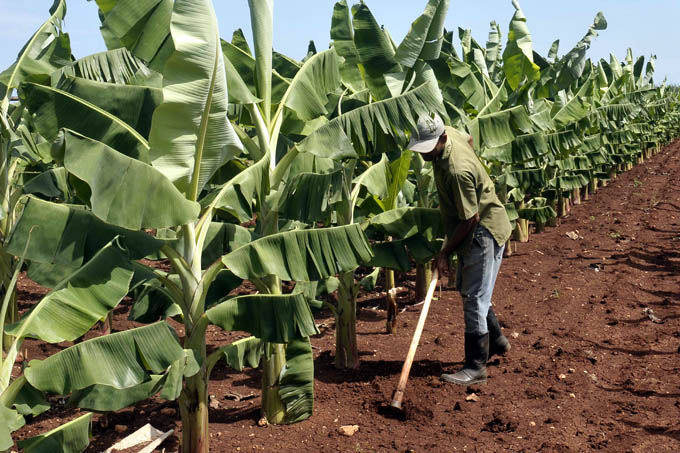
146,433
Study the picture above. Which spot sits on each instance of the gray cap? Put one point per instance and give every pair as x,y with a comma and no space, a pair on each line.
430,128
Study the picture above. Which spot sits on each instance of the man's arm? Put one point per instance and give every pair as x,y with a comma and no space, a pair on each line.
452,243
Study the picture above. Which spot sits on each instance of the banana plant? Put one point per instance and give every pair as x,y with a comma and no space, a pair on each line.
46,51
167,182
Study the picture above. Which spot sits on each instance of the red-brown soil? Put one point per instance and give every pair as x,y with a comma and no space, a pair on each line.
589,369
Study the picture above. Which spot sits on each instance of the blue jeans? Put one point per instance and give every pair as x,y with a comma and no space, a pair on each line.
476,278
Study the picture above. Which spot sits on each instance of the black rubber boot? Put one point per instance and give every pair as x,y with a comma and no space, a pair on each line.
476,356
498,343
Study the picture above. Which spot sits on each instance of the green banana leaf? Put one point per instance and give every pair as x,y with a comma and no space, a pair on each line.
310,197
262,22
103,398
376,178
271,318
240,69
132,104
70,236
301,255
142,26
500,128
399,169
117,66
51,183
71,309
342,39
424,40
575,108
240,354
243,193
390,255
307,93
537,210
572,65
30,401
525,148
10,421
403,223
125,192
466,87
518,57
191,136
120,360
47,50
71,437
222,238
54,109
493,55
334,139
376,53
296,387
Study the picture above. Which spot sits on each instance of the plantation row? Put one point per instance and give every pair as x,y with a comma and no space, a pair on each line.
242,164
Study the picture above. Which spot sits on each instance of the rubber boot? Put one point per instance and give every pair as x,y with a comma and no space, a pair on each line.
476,356
498,343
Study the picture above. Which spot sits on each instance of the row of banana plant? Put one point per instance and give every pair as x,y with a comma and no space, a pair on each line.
236,163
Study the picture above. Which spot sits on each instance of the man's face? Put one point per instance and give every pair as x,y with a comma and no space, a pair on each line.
437,150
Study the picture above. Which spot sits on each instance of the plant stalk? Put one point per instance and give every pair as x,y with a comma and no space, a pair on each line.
346,349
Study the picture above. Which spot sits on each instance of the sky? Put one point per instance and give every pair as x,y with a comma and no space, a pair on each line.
648,26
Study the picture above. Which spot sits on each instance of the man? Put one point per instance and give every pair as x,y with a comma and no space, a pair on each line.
477,229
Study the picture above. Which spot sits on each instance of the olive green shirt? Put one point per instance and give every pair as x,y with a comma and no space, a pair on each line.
465,189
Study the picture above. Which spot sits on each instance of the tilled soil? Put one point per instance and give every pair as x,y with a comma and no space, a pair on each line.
594,324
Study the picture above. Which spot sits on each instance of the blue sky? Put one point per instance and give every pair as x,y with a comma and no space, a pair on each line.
649,26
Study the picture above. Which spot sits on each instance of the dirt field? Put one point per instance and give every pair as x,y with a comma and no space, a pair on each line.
590,367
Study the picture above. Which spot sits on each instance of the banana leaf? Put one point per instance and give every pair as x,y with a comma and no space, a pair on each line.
191,136
120,360
297,381
301,255
10,421
70,236
271,318
334,139
71,437
242,353
117,66
310,197
424,40
125,192
143,27
518,57
54,109
47,50
375,52
402,223
342,39
132,104
240,196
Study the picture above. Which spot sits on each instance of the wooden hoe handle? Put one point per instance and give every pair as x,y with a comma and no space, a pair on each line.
406,369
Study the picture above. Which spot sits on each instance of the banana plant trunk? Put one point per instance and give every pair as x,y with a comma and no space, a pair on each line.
346,349
193,404
273,408
391,301
522,230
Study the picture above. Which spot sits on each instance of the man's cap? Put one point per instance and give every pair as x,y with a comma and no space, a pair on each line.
429,129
